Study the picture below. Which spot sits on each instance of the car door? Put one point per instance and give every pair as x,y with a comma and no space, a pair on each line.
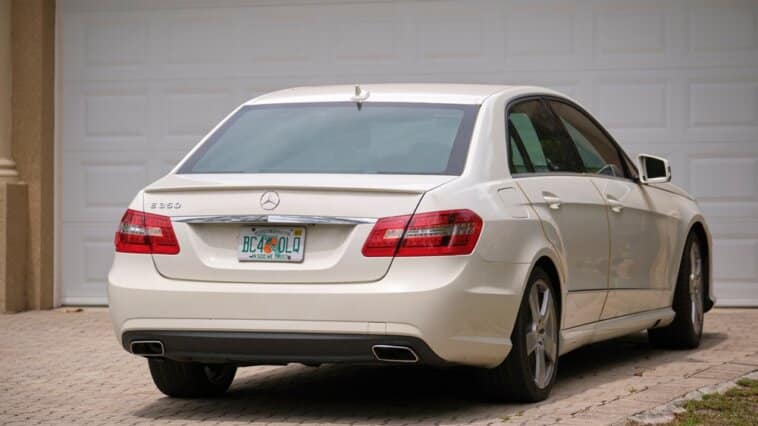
547,168
641,246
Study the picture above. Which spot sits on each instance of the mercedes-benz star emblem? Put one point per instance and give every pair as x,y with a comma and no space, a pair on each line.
269,200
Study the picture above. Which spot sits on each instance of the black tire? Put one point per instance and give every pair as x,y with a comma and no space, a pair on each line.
190,379
514,379
684,332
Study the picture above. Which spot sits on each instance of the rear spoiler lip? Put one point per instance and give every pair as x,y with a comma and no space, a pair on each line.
388,184
211,187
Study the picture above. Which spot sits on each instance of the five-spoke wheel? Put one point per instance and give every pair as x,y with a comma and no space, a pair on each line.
528,372
689,301
542,335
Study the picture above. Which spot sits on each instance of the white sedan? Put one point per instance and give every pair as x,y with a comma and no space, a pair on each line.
496,227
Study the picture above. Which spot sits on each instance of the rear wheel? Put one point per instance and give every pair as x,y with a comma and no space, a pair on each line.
687,328
529,371
191,379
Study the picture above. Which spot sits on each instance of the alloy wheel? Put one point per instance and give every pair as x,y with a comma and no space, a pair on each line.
696,287
542,335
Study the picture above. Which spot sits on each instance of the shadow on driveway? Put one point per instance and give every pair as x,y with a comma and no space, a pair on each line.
344,394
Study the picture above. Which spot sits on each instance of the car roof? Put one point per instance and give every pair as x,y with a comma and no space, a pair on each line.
421,93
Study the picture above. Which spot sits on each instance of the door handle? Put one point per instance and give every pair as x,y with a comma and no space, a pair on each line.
615,205
553,201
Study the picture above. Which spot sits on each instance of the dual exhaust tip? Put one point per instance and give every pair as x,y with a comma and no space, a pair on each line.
391,353
149,348
386,353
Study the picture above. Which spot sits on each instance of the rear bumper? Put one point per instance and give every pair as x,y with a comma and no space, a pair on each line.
277,348
457,309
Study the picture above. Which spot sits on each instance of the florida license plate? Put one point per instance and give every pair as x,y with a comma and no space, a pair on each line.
271,244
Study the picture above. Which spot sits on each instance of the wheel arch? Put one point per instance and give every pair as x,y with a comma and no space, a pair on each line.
699,228
548,261
546,264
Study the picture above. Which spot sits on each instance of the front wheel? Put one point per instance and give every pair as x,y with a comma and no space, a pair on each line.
191,379
528,373
689,296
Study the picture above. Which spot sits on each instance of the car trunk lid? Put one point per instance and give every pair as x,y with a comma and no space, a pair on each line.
210,211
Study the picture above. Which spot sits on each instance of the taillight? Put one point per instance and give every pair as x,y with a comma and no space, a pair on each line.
442,233
141,232
383,239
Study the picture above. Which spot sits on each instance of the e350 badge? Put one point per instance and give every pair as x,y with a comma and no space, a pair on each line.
166,206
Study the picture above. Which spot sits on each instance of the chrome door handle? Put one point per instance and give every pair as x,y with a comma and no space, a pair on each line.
552,201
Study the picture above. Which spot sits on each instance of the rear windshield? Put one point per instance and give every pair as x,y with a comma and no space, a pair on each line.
339,137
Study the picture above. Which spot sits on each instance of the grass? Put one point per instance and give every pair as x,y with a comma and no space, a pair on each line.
736,407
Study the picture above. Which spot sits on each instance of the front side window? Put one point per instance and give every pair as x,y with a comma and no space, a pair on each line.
536,134
340,137
597,152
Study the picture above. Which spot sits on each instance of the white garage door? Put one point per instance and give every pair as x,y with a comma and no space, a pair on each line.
141,81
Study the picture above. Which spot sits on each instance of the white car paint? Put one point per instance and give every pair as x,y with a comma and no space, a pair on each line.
463,307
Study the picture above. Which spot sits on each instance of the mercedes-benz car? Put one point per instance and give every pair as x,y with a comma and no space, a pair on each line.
494,227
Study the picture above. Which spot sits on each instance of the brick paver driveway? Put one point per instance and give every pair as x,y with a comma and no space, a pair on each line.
67,368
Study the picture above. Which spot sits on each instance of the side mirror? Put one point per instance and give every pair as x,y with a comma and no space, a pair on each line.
653,169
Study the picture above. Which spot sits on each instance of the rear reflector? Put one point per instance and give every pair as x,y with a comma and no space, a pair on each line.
442,233
141,232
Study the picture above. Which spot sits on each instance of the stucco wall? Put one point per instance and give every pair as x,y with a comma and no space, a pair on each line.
32,123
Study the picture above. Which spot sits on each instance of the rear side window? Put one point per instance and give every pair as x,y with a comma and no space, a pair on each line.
536,134
598,153
340,137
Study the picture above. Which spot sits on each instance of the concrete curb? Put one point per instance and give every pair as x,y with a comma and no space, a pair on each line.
666,413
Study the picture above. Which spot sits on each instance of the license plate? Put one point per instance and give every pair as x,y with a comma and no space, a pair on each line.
271,244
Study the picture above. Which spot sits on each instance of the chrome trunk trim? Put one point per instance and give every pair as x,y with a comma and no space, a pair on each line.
276,219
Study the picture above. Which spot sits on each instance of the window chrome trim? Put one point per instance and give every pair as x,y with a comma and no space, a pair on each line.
557,174
277,219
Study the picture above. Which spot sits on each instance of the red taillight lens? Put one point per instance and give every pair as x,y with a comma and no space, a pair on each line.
442,233
141,232
383,239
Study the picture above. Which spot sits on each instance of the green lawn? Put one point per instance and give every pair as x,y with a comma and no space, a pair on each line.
737,407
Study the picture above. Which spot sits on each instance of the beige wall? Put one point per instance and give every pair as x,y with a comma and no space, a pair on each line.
26,201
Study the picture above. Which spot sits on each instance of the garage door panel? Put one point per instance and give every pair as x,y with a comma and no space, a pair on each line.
737,293
115,115
106,116
724,178
115,39
86,256
722,31
526,40
104,41
189,112
97,187
456,37
632,33
299,38
722,107
739,258
365,36
198,36
719,104
617,103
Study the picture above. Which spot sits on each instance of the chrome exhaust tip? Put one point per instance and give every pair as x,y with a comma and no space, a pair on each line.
391,353
150,348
